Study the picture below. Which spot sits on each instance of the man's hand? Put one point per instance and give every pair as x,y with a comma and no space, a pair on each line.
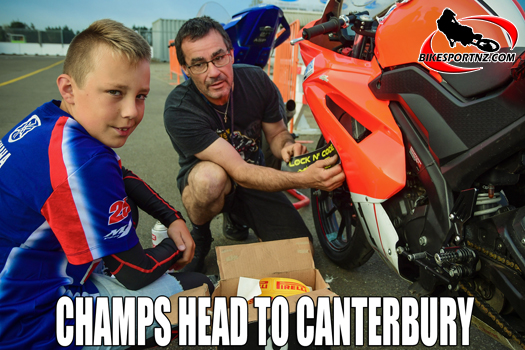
292,150
270,180
179,233
325,179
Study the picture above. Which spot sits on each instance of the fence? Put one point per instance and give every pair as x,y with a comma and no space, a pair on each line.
49,36
285,72
174,62
18,35
285,64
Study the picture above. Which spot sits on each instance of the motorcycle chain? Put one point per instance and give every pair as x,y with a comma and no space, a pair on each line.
495,257
504,327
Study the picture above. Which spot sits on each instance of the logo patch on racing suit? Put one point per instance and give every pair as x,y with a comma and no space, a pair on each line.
24,129
119,210
119,232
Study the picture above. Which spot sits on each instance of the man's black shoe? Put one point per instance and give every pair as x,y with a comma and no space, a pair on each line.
202,248
233,230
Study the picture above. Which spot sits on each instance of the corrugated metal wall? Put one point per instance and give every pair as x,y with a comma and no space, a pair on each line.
304,17
303,10
164,30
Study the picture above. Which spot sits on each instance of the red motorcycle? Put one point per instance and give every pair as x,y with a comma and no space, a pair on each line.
432,142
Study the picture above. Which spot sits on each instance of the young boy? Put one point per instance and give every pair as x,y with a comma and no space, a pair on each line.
65,211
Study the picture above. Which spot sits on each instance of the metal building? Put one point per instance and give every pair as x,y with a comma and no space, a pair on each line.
304,17
164,30
303,10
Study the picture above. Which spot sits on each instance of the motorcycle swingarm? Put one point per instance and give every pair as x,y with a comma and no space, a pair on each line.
508,281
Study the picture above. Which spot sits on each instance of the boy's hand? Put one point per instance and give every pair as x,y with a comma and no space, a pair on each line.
179,233
292,150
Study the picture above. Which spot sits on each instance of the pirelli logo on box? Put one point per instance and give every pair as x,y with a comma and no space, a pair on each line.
263,284
291,286
274,286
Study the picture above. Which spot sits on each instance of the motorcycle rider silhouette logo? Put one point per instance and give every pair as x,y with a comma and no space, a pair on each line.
455,32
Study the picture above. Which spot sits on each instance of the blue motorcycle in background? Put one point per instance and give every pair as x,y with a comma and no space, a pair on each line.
252,31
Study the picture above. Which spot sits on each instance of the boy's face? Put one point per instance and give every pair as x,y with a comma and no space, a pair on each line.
110,105
215,83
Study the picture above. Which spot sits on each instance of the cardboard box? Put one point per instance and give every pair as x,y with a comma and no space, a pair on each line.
291,258
173,316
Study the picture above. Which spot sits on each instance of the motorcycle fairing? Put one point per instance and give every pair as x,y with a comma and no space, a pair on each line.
491,77
437,223
451,125
375,166
381,235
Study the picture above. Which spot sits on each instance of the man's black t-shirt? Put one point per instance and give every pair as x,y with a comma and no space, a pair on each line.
193,123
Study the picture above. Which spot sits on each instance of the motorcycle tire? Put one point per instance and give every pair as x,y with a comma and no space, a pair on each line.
338,228
487,45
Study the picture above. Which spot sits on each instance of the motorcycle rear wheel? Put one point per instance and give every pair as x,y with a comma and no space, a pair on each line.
338,228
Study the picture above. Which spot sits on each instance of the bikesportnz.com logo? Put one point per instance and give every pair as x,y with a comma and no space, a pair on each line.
465,35
468,57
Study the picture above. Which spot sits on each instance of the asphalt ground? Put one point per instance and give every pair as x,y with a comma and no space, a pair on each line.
149,153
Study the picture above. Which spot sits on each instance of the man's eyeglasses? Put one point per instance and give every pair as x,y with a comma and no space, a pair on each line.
202,67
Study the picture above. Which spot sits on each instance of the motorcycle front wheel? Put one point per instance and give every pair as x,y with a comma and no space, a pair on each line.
338,228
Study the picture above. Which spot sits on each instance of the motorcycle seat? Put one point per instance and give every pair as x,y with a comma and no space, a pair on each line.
491,77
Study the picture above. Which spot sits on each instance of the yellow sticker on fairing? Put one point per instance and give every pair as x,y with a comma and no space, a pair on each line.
300,163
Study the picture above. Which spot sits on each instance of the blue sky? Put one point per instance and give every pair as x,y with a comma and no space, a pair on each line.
79,14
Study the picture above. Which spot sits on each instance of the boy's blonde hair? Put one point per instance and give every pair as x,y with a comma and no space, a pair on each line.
115,36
